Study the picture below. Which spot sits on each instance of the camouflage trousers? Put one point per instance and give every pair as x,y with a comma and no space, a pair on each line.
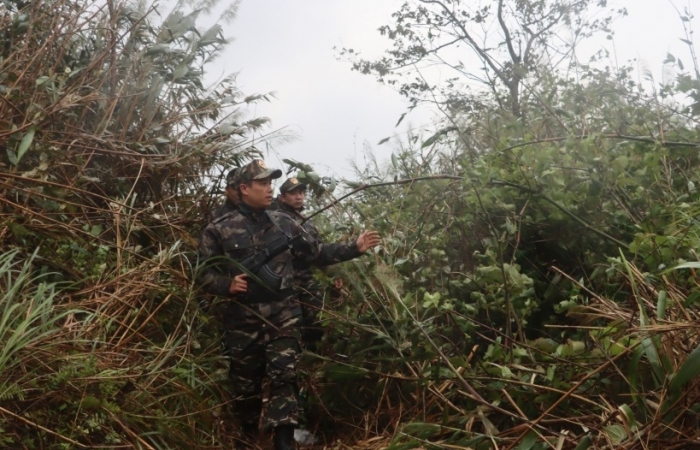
263,341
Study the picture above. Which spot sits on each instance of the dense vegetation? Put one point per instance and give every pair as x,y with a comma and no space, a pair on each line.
536,287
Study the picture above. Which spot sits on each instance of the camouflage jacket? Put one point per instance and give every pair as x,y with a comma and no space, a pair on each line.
308,226
243,232
222,209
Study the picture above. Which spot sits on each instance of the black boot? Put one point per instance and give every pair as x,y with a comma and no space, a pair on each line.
284,437
249,435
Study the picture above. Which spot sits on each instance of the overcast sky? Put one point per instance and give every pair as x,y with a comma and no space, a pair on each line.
287,47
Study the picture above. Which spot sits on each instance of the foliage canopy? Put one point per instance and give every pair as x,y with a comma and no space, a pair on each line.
542,293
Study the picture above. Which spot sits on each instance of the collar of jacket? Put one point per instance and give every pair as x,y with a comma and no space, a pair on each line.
247,210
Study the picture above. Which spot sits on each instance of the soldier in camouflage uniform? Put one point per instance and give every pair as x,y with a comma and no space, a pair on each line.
231,197
261,322
291,201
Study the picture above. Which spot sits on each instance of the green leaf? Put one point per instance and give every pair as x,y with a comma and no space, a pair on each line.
661,305
633,373
341,372
26,142
313,176
432,139
158,49
519,351
210,36
571,348
629,416
550,372
689,370
96,230
584,444
12,156
528,441
400,119
653,356
616,433
547,345
688,265
386,139
620,163
180,71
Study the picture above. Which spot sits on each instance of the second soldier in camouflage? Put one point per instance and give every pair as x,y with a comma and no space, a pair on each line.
291,201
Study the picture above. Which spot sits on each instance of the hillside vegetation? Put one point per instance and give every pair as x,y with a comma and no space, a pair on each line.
536,287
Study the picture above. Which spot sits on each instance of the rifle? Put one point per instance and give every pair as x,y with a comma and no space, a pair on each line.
256,265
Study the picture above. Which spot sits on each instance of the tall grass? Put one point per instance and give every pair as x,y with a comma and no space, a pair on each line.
424,375
104,371
112,149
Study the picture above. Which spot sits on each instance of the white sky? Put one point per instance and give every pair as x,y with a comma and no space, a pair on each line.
286,46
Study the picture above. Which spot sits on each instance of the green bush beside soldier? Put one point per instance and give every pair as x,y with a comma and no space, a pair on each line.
261,322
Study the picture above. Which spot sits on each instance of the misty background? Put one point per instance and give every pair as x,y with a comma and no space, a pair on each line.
334,116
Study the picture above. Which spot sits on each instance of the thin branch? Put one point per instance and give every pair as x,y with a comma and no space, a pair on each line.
509,40
44,429
387,183
606,136
482,53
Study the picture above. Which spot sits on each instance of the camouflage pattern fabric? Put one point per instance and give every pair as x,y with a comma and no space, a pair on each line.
254,170
222,209
244,232
257,350
261,327
308,291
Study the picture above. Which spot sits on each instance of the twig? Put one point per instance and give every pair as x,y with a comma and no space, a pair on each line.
605,136
564,397
29,422
387,183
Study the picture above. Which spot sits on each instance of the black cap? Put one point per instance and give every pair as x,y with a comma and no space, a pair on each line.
291,184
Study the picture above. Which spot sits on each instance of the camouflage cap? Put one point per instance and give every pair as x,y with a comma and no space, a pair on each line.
291,184
231,176
255,170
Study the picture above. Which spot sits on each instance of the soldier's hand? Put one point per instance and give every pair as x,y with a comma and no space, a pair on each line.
239,284
367,240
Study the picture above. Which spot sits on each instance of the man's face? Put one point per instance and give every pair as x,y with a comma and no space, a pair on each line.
232,194
294,198
257,193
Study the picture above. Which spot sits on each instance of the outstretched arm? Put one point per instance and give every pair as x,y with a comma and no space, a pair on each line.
338,252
